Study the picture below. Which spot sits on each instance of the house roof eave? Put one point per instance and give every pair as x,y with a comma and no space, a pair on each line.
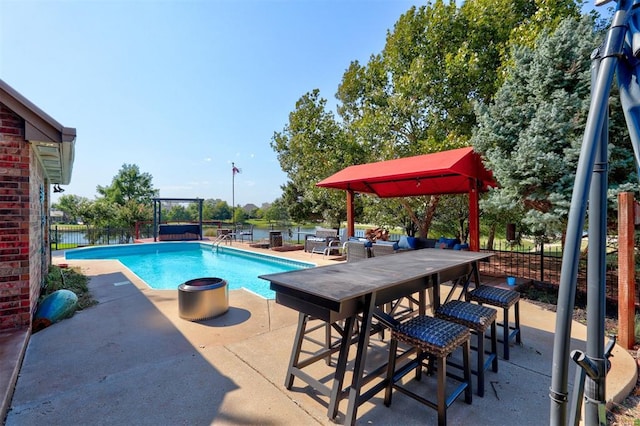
53,143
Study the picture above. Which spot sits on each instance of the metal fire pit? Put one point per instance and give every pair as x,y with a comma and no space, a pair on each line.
203,298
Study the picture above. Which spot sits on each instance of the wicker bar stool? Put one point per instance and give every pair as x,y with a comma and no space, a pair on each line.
504,299
478,318
434,338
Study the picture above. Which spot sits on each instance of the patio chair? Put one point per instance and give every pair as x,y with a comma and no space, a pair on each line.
246,233
320,240
335,247
505,299
478,318
435,339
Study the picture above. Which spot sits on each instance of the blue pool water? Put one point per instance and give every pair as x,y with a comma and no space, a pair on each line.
167,265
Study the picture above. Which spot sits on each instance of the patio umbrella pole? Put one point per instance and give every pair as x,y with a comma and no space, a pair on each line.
592,164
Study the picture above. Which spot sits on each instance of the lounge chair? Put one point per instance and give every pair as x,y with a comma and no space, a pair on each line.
335,247
318,242
245,233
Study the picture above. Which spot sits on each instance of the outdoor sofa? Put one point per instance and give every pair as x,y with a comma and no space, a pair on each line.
175,232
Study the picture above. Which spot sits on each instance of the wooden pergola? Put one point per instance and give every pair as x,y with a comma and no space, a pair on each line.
456,171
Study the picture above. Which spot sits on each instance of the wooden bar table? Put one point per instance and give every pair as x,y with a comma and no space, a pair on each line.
345,290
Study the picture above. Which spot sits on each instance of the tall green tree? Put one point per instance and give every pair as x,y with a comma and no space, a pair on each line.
311,147
297,207
180,213
417,95
132,193
543,16
531,133
452,218
99,215
220,210
71,205
276,212
239,215
129,185
193,211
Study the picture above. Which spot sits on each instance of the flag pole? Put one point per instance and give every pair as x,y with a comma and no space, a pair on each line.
234,171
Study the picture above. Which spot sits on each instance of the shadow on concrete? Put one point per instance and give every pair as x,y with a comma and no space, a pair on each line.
234,316
517,394
119,362
132,360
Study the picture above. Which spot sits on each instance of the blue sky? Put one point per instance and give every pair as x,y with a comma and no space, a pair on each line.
183,88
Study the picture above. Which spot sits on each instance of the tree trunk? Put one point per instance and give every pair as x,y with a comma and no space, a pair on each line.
492,235
425,223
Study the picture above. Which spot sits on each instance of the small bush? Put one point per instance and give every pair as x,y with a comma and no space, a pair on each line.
69,279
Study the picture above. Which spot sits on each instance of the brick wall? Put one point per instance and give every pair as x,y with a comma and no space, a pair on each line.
20,261
38,224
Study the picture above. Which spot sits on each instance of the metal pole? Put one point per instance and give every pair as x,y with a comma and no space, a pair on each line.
155,220
233,191
200,216
566,295
594,388
542,259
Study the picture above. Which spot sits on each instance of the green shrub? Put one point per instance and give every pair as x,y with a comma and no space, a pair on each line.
69,279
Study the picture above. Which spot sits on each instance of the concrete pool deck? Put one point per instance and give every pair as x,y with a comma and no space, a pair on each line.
132,360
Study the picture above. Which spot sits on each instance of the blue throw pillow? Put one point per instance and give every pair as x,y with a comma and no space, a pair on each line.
412,242
403,243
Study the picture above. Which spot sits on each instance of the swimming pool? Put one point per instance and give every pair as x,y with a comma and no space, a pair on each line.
166,265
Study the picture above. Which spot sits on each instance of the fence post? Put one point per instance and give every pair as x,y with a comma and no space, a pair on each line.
542,259
626,270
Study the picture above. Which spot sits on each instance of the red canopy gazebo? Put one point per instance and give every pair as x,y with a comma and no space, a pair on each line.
457,171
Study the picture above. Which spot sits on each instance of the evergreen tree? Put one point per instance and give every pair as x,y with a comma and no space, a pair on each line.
532,131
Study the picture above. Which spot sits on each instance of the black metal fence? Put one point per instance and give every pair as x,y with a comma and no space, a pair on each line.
517,261
545,267
71,236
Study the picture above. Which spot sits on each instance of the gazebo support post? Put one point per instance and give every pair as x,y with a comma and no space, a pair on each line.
474,216
351,232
